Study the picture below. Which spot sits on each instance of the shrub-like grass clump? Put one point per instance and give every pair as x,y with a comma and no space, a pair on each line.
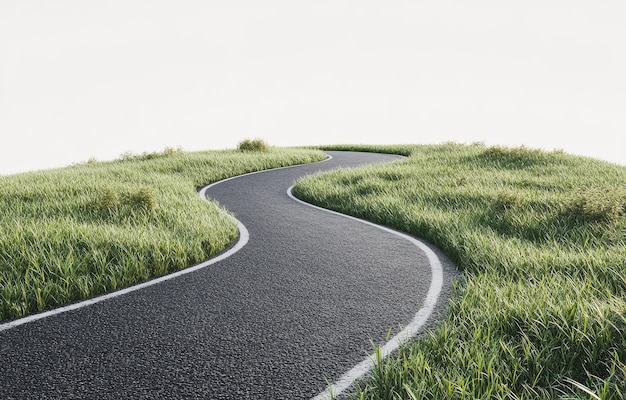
253,145
541,238
71,233
110,202
597,204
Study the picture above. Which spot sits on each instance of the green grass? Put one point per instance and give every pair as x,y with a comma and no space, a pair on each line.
71,233
541,238
254,145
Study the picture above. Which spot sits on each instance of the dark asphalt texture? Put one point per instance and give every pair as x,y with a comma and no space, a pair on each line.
297,306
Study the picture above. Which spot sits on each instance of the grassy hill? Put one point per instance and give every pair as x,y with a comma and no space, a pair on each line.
541,238
71,233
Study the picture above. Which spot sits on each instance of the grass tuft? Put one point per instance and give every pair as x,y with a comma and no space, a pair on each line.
167,152
597,204
142,200
254,145
507,201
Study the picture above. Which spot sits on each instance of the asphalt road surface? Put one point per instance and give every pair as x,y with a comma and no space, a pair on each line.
298,306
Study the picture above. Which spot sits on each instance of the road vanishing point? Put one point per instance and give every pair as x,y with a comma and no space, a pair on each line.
295,306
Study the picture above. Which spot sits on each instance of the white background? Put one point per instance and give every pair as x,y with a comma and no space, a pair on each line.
87,78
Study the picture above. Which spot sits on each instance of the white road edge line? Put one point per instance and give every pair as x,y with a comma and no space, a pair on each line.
411,330
243,240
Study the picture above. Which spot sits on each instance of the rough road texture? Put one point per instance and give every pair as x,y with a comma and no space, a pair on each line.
298,305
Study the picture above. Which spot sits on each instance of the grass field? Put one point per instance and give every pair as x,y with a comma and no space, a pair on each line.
541,238
71,233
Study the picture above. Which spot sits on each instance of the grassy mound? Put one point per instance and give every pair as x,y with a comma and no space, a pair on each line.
541,238
71,233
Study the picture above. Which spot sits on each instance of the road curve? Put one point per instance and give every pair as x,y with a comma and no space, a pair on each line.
296,307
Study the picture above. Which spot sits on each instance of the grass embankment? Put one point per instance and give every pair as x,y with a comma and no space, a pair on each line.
71,233
541,238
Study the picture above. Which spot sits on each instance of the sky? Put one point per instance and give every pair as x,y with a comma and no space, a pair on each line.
94,79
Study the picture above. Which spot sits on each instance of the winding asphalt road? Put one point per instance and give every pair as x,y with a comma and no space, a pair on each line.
298,306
